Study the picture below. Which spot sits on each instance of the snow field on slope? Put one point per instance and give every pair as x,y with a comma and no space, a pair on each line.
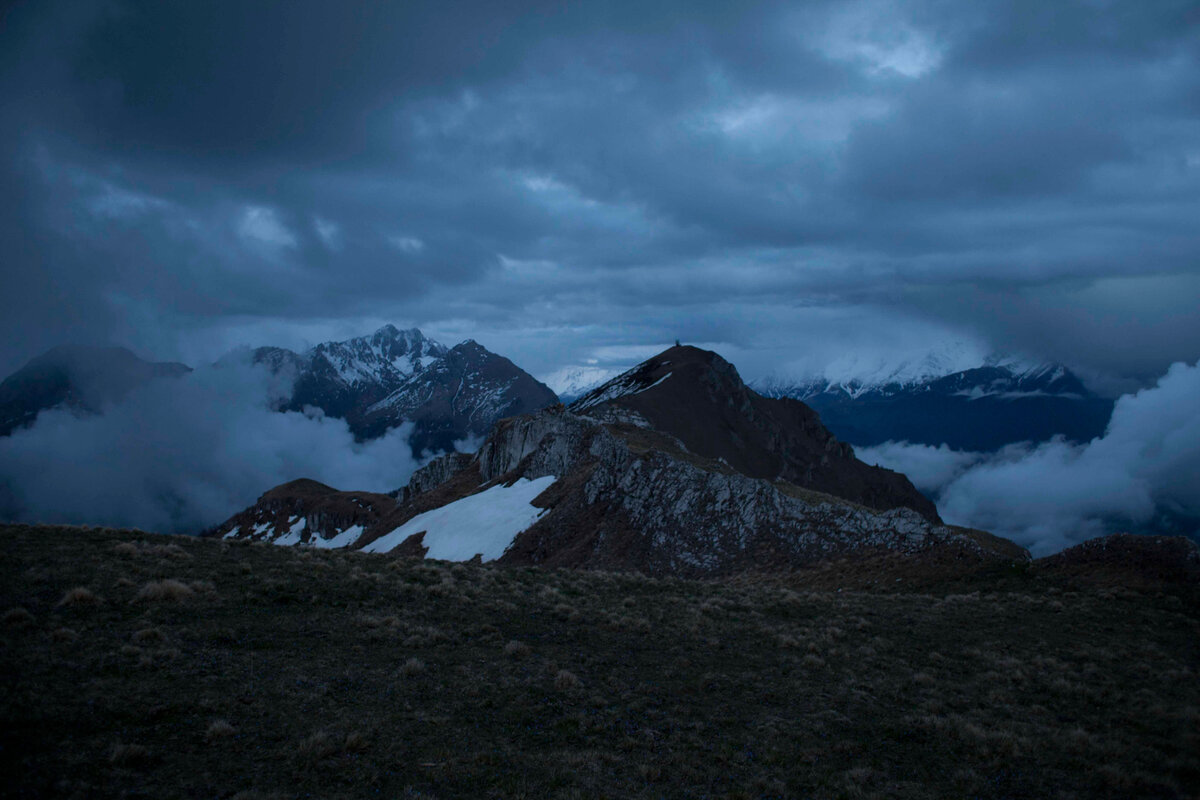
483,523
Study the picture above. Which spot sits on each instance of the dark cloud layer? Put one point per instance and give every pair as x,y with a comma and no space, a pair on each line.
555,179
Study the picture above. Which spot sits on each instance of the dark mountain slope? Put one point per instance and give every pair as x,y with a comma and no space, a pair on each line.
699,398
81,378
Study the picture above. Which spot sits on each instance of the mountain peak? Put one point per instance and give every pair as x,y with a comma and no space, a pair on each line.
697,397
83,378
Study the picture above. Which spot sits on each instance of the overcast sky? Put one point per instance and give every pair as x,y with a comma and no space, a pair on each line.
565,181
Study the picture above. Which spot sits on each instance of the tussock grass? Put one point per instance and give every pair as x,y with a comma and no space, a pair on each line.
218,730
515,649
63,635
79,596
565,681
18,618
121,754
169,590
349,675
411,667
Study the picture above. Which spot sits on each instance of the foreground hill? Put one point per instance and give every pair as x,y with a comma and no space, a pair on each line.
139,665
674,467
80,378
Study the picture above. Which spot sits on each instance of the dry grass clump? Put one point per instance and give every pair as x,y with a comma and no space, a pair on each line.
567,613
79,596
168,590
515,649
171,551
18,618
63,635
125,549
128,754
148,636
319,745
219,729
565,681
413,666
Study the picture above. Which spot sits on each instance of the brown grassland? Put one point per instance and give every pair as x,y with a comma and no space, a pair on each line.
138,665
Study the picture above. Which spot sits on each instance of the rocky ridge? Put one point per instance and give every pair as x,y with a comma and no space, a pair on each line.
627,494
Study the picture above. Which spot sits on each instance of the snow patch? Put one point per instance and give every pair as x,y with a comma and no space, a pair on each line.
343,539
484,523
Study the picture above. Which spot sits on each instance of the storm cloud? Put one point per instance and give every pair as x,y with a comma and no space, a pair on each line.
1142,474
559,179
180,455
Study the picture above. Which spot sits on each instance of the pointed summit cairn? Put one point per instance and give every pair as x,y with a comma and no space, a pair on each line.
672,468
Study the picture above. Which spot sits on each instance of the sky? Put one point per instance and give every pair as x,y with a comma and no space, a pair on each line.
806,187
576,182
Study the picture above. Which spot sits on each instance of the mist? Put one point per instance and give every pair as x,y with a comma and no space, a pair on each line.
181,455
1142,475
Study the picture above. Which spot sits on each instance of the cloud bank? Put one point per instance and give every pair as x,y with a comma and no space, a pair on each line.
182,455
1142,474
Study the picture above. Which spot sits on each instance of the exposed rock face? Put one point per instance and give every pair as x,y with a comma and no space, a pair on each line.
698,397
80,378
433,475
380,381
632,498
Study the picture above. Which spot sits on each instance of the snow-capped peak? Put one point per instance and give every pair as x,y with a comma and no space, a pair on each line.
387,353
856,372
576,380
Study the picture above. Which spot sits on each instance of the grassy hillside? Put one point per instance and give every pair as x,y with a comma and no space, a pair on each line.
146,666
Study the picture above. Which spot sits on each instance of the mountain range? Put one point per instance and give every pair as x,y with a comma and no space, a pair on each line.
394,376
373,382
675,467
979,409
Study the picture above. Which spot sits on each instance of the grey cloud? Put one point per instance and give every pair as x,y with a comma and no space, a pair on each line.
677,170
183,454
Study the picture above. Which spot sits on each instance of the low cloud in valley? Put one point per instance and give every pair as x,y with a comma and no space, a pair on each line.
1143,474
179,455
